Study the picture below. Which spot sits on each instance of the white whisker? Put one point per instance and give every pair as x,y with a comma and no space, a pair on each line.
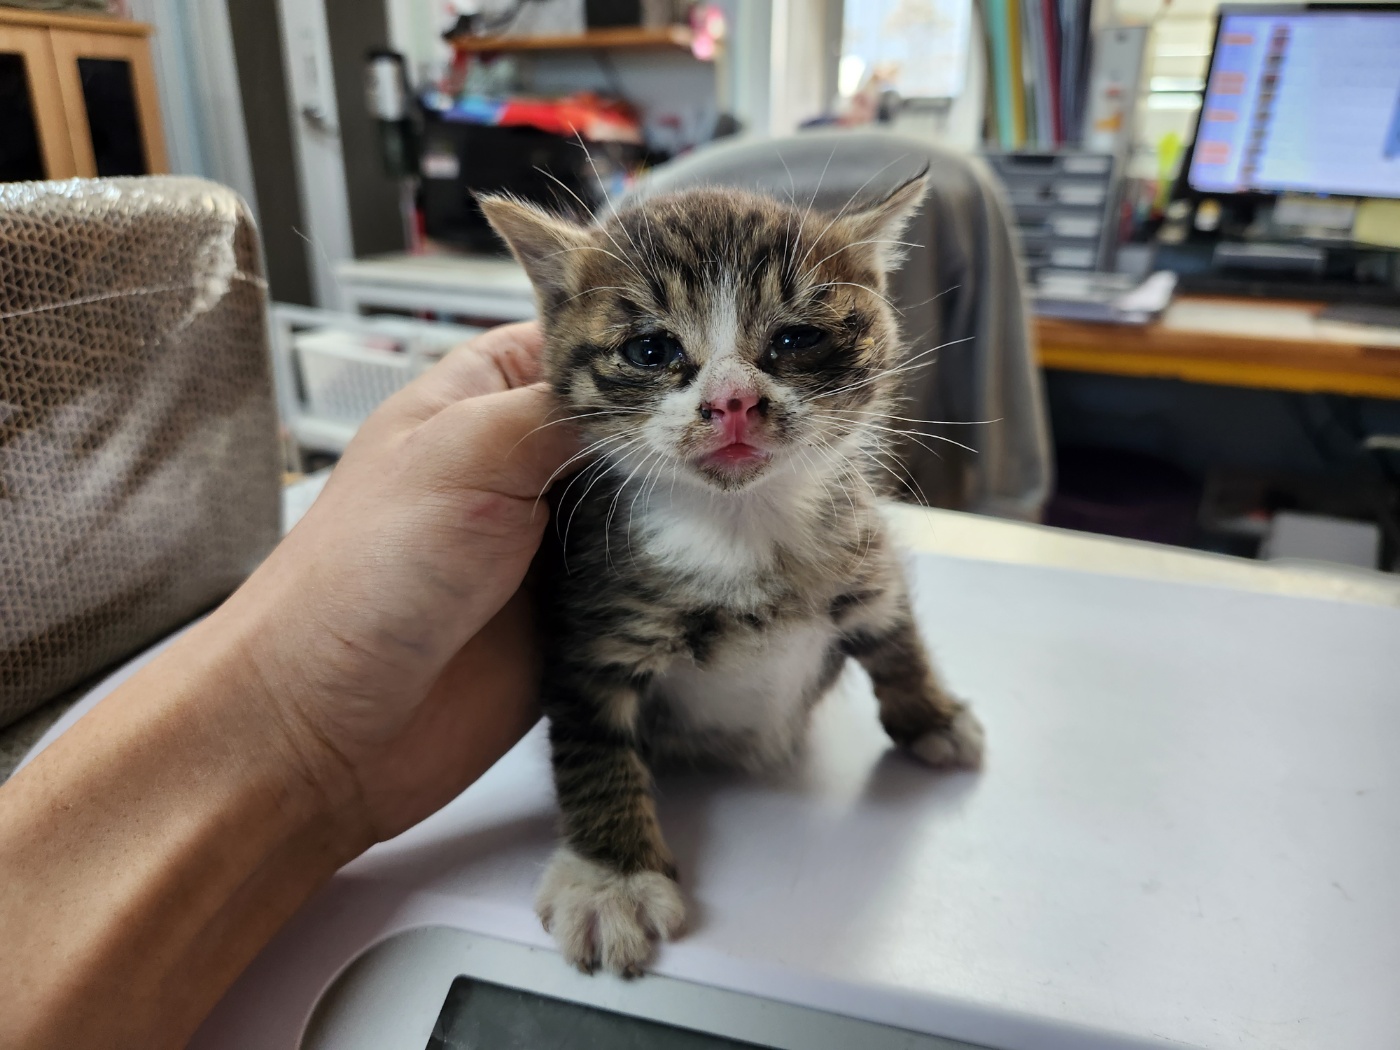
612,508
926,422
913,435
599,469
855,284
581,454
897,369
852,244
594,248
855,425
594,288
849,201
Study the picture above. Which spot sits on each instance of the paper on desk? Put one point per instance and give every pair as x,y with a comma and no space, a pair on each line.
1279,321
1108,297
1377,222
1150,297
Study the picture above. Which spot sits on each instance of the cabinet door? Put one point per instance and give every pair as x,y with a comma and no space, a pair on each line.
109,94
34,142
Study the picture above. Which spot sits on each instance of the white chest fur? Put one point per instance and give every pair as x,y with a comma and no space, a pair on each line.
755,691
720,539
726,539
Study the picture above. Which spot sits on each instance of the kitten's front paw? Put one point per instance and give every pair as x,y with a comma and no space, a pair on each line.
601,917
957,747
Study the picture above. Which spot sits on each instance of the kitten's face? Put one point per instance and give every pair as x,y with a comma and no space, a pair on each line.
717,336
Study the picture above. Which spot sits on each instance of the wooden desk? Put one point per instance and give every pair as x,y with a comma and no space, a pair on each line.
1234,342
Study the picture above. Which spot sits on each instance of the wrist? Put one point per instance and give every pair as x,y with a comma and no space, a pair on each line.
253,710
191,831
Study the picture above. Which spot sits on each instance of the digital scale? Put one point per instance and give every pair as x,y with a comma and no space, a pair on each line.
1187,834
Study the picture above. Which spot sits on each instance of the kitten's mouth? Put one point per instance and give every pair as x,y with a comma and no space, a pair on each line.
735,458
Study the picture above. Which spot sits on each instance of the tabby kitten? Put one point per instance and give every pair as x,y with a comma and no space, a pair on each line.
729,358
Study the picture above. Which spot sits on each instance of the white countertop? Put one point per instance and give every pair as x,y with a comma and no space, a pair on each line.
1280,321
1187,832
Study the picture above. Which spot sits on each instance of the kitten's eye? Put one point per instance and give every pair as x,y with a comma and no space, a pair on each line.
652,351
802,345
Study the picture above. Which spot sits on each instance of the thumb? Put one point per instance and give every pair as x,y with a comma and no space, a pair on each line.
511,443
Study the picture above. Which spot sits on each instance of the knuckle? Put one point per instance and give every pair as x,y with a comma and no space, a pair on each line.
495,514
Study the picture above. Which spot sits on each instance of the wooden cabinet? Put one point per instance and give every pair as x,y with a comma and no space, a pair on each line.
77,97
34,142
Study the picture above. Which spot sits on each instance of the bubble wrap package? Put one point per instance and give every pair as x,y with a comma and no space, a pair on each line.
139,470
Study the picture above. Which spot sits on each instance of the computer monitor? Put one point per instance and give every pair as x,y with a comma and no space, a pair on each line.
1304,99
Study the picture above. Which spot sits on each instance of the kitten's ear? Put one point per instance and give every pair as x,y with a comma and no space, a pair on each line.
545,244
882,224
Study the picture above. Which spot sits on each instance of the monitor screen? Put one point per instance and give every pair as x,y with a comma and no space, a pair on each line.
1304,100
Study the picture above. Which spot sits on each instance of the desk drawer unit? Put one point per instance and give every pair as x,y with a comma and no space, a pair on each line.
1064,205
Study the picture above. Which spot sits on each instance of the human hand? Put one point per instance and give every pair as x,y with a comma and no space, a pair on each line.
386,632
374,665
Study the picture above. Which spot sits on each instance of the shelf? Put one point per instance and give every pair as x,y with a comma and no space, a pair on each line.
627,37
81,23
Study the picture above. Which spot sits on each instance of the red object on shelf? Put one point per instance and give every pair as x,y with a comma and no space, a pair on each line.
596,118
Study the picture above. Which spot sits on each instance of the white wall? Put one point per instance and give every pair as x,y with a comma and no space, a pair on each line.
960,125
799,88
315,121
415,28
201,109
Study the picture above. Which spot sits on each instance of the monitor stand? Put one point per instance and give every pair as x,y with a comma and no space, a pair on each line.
1236,245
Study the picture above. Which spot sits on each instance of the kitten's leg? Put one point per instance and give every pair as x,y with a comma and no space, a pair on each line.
916,710
610,891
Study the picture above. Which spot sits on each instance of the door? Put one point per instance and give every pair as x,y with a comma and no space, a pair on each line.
34,142
108,88
315,117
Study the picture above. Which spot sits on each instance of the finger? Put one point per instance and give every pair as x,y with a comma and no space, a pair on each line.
503,358
517,350
510,442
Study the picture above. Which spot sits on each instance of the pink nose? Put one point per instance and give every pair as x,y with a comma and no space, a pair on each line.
734,413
